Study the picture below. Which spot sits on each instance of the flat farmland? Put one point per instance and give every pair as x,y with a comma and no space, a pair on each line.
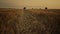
29,21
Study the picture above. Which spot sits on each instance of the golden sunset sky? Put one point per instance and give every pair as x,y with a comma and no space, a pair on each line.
52,4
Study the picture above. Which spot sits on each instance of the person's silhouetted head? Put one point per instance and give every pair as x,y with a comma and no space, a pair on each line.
24,8
46,8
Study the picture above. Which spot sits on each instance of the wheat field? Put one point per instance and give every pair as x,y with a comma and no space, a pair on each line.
29,21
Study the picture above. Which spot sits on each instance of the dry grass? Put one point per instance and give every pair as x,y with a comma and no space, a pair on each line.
31,21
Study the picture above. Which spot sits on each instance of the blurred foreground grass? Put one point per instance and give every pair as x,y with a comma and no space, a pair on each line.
19,21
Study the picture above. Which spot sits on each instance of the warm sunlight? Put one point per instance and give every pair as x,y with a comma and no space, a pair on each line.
31,3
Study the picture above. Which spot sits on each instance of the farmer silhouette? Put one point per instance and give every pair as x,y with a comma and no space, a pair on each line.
24,8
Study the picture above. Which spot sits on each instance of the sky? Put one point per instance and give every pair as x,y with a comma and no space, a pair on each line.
51,4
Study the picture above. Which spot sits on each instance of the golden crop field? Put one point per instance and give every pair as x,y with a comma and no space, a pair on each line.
29,21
